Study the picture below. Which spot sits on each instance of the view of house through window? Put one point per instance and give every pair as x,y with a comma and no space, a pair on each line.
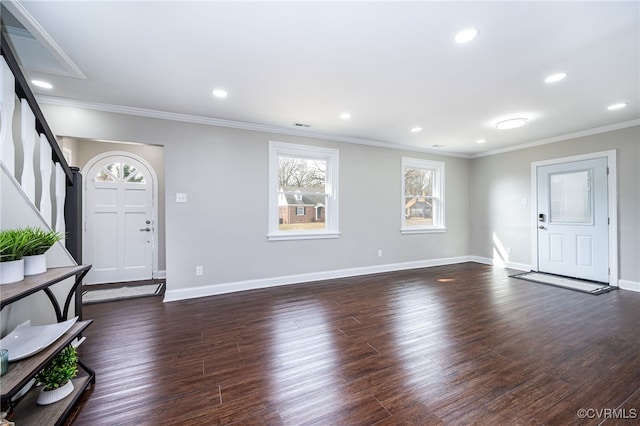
423,186
418,196
303,192
302,200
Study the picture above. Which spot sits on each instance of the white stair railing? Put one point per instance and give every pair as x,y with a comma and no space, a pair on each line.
37,170
46,166
28,136
7,106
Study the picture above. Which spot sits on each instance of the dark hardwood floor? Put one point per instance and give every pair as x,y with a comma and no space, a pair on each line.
452,345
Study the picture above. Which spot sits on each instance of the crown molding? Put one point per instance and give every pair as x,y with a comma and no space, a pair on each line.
580,134
208,121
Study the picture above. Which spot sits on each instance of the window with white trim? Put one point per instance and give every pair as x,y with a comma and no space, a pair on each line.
303,192
422,196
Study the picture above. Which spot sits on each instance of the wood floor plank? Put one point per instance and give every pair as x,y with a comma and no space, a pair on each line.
457,344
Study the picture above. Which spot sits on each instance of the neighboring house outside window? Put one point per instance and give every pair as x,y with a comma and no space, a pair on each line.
303,193
422,196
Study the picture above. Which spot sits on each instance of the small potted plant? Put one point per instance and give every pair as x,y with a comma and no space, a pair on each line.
56,377
40,240
13,245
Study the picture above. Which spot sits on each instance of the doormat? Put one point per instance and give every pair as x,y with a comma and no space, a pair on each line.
121,293
590,287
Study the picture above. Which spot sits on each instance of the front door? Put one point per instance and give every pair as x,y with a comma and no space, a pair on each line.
573,234
119,220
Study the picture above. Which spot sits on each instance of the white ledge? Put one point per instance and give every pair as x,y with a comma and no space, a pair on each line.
303,236
409,231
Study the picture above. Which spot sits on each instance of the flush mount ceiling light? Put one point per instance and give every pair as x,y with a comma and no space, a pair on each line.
219,93
416,129
466,36
481,141
617,106
43,84
512,123
553,78
345,116
438,146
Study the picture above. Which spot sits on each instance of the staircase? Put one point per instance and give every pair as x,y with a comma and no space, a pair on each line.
37,187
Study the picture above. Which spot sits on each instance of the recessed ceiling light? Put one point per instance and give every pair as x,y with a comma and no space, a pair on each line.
467,35
219,93
345,116
43,84
555,77
617,106
511,123
416,129
481,141
438,146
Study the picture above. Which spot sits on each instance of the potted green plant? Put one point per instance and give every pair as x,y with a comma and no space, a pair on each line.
40,240
13,245
56,377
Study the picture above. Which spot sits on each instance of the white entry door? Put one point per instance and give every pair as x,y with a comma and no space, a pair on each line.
573,234
119,220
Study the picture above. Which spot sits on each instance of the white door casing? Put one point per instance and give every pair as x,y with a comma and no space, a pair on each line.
574,209
120,214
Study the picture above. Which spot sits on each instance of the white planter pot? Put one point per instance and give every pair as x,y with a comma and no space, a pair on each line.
34,265
49,397
11,272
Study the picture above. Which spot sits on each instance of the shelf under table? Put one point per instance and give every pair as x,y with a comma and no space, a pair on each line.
20,372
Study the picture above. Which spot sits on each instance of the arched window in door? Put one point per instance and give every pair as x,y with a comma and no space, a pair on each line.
115,172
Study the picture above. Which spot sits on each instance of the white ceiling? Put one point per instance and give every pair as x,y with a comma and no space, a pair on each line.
391,65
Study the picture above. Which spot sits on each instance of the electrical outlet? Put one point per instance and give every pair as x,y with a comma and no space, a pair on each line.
199,271
181,197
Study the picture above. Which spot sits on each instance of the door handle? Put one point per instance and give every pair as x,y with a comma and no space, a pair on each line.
541,227
146,229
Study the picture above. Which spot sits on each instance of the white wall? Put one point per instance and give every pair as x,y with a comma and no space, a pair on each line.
223,227
499,182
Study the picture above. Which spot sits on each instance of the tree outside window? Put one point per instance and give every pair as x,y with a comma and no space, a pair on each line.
423,196
303,188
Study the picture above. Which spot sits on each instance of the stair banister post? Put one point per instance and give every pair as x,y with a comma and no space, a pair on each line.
7,108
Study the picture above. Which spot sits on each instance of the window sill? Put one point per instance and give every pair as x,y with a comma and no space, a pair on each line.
302,236
434,230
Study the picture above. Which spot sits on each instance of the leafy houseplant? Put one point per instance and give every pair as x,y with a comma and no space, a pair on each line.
57,376
40,241
14,243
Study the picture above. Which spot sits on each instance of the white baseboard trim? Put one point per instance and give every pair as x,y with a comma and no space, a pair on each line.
159,275
629,285
510,265
478,259
215,289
